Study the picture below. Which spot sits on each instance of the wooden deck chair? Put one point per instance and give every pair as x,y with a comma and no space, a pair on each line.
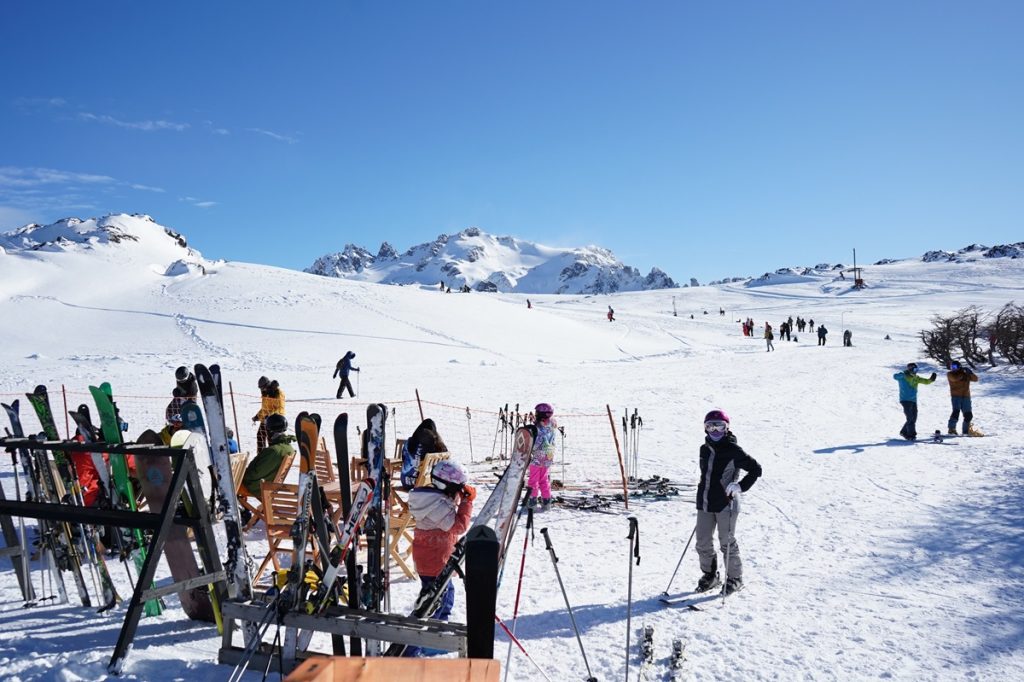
281,504
322,462
239,460
427,464
257,509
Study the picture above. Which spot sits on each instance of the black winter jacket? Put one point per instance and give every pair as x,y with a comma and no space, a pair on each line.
719,466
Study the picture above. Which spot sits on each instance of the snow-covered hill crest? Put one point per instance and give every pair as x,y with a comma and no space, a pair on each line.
488,263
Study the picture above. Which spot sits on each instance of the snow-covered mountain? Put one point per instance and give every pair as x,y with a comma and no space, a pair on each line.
488,263
137,234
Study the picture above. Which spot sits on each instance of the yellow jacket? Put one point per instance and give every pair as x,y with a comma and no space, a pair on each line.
271,406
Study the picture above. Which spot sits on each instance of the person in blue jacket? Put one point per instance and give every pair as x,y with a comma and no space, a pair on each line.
909,381
343,368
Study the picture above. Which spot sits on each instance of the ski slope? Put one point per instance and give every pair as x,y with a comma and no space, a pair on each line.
864,557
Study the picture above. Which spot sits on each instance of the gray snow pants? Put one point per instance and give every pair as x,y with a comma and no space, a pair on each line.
725,520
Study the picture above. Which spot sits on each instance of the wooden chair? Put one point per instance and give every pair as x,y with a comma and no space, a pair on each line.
239,460
427,465
257,510
325,474
281,504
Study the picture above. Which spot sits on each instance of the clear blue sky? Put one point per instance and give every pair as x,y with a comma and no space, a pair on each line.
710,139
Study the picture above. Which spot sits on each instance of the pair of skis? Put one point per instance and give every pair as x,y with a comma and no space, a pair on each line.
676,660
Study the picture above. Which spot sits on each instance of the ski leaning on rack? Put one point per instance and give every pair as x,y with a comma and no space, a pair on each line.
47,531
40,400
499,512
344,477
121,489
376,533
238,564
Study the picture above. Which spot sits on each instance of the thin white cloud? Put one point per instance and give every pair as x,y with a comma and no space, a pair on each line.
274,136
147,126
13,177
198,203
147,188
40,102
216,130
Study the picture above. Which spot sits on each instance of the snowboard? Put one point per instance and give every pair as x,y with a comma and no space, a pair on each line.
155,477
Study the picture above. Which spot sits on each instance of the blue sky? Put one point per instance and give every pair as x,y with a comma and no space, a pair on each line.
710,139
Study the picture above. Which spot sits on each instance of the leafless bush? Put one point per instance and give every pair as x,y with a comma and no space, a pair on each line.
1006,334
964,335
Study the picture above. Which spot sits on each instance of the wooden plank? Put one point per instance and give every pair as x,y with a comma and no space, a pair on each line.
351,669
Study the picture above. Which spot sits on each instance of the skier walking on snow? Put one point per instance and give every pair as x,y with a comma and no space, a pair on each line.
542,456
718,494
442,511
611,314
344,367
909,381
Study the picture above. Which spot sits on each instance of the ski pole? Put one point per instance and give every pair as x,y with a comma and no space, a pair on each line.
512,639
497,425
634,551
527,534
728,547
561,585
680,562
469,427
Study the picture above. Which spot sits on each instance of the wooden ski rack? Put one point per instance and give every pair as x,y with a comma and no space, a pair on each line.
184,475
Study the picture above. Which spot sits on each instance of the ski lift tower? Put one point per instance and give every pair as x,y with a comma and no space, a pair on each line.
858,280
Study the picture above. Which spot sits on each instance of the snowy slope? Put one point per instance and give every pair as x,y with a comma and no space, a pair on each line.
864,557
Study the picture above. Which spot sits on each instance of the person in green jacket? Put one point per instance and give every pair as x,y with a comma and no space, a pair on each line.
266,463
909,381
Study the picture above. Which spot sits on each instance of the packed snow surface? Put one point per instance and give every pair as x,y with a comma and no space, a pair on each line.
865,557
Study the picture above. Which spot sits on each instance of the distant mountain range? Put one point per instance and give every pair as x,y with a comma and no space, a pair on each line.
471,258
483,262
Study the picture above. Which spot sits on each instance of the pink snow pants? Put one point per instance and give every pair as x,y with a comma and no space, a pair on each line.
539,481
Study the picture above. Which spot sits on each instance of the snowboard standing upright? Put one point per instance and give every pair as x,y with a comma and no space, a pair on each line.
155,478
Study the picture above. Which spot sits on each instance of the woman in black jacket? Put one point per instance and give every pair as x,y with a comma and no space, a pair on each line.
718,492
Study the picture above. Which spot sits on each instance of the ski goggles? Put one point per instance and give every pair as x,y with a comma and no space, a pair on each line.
716,427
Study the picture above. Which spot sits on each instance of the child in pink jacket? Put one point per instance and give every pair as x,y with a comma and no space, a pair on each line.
542,456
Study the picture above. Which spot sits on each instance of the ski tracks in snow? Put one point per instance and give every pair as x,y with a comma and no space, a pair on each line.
191,332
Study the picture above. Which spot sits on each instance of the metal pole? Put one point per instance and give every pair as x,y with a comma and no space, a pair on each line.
680,562
67,423
419,404
469,427
634,531
238,434
554,562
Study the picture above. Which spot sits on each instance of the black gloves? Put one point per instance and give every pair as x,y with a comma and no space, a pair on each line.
933,376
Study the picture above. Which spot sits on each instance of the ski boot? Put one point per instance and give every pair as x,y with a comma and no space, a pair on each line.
973,432
951,432
733,585
532,503
545,504
708,581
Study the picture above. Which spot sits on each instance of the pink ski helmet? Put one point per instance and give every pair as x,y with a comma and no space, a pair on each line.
716,416
543,410
447,476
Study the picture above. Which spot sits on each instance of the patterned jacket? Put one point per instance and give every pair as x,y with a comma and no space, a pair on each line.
720,465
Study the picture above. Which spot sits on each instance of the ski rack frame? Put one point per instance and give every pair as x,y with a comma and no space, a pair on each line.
184,476
14,551
475,639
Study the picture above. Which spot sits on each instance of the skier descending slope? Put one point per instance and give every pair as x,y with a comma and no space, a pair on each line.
718,492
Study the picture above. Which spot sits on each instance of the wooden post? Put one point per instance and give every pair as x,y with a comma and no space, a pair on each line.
238,434
618,451
67,425
419,404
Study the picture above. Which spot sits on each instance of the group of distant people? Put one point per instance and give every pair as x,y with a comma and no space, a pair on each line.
786,331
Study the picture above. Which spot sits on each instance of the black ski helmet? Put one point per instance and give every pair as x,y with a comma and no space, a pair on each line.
182,373
263,382
276,423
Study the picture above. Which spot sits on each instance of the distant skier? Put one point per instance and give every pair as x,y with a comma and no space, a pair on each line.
442,511
822,333
528,304
718,496
343,367
768,337
847,338
272,402
542,456
960,379
232,441
909,381
611,314
423,441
